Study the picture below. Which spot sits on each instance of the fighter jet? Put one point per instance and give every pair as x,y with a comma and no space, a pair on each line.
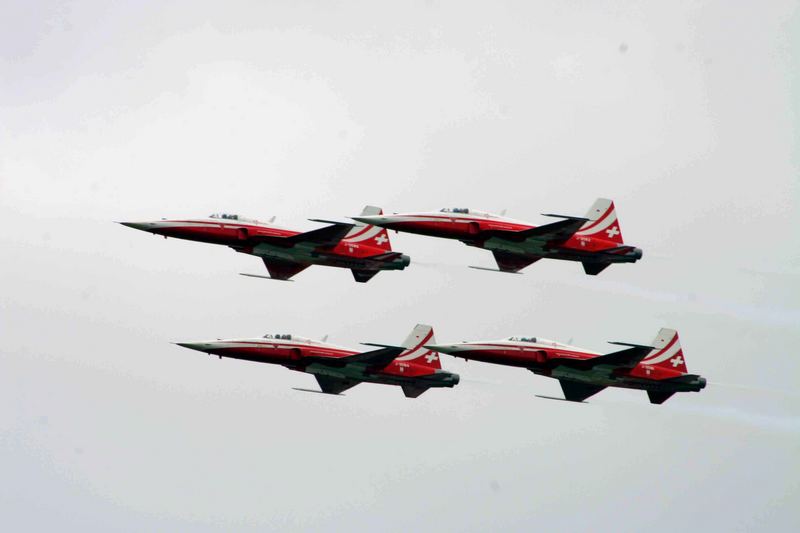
411,366
363,248
594,240
659,369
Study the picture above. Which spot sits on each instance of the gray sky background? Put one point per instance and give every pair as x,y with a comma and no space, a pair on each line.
685,113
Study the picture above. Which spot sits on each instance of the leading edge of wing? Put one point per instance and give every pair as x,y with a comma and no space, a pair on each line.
375,358
556,231
326,236
627,358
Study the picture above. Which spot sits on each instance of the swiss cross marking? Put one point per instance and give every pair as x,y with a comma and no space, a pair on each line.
676,361
612,232
380,239
431,357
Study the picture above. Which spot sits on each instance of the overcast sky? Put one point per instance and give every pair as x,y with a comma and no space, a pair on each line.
685,113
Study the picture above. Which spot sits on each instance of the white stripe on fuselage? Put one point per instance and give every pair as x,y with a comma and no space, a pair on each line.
215,222
530,346
455,217
275,344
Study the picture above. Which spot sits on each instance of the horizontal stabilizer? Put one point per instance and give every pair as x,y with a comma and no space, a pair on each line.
618,250
577,392
684,378
388,256
659,397
412,391
335,385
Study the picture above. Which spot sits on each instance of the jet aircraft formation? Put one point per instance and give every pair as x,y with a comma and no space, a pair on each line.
363,246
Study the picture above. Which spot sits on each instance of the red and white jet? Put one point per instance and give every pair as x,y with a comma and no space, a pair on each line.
594,240
659,369
411,366
363,248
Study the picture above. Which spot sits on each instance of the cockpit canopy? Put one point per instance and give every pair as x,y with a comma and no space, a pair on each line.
460,210
279,336
228,216
522,339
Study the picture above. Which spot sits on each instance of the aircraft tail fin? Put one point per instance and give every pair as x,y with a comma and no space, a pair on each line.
667,351
415,347
368,234
602,222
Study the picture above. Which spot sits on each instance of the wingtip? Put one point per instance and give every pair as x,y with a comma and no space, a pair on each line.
494,270
263,277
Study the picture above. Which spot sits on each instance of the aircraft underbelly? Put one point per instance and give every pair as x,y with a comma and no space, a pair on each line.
604,376
521,248
540,249
346,372
309,255
353,372
594,376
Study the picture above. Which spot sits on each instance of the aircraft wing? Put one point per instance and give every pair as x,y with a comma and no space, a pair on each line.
508,262
576,391
363,276
327,236
283,270
555,232
412,391
335,385
374,358
627,358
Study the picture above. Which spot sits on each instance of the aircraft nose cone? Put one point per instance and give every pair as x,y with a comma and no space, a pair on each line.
144,226
199,346
376,220
443,348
